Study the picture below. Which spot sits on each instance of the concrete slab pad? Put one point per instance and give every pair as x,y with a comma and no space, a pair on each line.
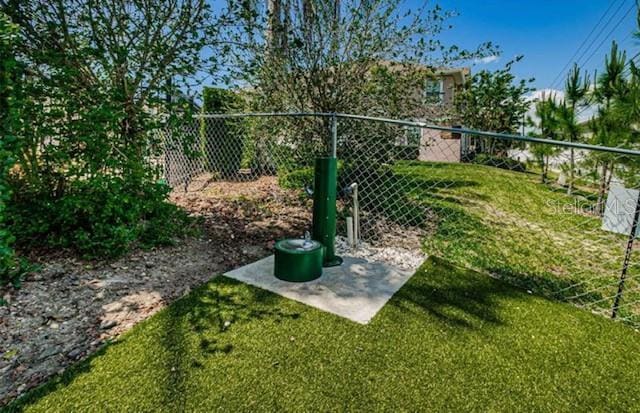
356,290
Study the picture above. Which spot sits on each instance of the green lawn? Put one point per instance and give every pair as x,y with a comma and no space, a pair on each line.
450,339
509,224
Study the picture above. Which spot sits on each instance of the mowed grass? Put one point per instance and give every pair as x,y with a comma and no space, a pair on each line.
449,340
509,224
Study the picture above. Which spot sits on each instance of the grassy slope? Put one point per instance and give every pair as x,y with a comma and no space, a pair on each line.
449,340
509,224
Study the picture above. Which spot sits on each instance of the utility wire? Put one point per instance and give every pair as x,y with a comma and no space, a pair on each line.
584,42
602,29
627,71
581,64
633,6
628,63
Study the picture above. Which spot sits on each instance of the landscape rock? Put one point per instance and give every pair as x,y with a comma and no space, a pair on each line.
75,353
108,324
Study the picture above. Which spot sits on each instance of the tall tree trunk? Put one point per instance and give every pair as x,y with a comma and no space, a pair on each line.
603,188
611,169
546,169
274,10
572,166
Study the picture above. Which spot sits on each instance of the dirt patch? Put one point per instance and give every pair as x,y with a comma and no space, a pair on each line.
71,307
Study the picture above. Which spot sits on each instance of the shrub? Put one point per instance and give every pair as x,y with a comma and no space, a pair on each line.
99,218
11,267
296,179
83,134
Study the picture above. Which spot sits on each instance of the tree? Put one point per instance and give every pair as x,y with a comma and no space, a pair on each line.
575,94
121,58
493,101
10,72
547,127
101,78
627,107
330,56
609,127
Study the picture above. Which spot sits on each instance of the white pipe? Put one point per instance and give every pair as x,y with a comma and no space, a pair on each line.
356,215
350,231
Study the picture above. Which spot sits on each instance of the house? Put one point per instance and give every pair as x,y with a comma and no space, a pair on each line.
438,96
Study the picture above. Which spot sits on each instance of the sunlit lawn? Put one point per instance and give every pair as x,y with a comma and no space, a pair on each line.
509,224
449,340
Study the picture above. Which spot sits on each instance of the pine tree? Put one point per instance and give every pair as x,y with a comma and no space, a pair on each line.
548,127
575,94
608,127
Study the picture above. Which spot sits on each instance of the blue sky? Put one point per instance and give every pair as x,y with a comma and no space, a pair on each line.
546,32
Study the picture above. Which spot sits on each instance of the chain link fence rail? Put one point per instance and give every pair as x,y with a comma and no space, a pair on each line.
553,217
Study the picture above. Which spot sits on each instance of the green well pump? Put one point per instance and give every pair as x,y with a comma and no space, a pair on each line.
300,260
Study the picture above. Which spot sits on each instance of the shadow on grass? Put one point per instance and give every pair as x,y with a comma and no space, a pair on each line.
460,298
190,330
455,296
546,285
56,382
195,328
590,197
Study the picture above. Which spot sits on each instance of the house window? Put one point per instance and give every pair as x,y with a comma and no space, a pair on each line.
434,91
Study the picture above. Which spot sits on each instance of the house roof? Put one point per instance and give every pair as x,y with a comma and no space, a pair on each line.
458,73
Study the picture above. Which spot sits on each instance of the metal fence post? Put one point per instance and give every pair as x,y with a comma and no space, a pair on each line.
334,135
627,258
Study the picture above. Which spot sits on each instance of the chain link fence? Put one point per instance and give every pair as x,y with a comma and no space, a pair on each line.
552,217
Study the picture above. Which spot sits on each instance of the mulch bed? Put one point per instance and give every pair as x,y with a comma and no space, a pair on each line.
71,307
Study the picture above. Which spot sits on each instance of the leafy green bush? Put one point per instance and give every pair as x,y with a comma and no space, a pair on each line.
500,162
296,179
10,266
100,218
79,140
303,177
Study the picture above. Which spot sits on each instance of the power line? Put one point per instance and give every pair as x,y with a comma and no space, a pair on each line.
633,6
584,42
628,63
627,71
603,28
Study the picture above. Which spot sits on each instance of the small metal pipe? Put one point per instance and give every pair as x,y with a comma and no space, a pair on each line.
350,231
356,215
502,136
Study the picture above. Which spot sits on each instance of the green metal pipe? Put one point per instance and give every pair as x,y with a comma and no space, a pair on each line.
324,208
